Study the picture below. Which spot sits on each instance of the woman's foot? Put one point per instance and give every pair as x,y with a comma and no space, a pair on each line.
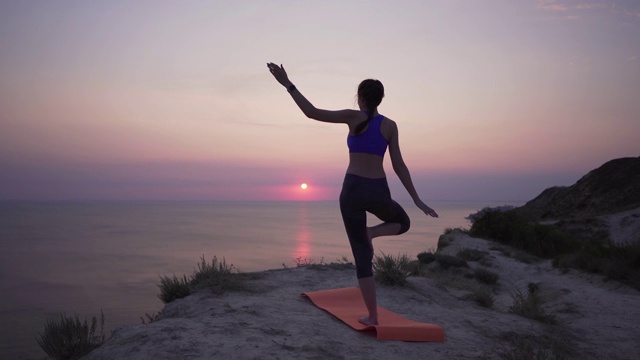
366,320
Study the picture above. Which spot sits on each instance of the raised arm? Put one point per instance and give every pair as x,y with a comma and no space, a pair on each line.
346,116
401,169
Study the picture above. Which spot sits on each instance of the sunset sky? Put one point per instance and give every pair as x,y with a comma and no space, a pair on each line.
171,100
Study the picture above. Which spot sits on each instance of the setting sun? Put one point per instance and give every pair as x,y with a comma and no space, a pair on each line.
304,186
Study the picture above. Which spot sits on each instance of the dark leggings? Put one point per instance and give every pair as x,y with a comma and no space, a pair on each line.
361,195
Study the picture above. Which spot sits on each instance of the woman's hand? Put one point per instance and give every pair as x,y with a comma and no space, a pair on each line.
427,210
279,73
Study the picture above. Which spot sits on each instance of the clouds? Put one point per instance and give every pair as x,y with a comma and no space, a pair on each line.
561,6
620,11
551,5
633,13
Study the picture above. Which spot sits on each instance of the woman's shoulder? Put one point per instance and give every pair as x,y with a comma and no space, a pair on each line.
386,118
387,123
388,128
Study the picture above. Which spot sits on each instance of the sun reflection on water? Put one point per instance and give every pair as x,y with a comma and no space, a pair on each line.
303,234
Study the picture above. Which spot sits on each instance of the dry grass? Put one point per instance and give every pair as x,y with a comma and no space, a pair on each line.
390,270
217,276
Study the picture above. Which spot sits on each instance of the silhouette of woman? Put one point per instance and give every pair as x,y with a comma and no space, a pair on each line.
365,187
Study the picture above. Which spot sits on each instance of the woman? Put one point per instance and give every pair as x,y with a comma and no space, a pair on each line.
365,187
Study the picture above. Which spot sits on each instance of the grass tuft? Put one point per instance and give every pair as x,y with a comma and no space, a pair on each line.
217,276
173,288
340,264
391,270
149,318
485,276
70,338
483,296
302,262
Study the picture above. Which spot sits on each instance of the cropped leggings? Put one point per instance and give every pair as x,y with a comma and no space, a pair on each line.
361,195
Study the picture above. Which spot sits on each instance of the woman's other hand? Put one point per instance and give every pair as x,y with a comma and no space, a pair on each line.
427,210
279,74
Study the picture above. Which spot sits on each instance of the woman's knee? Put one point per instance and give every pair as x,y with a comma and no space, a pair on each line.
405,224
363,256
364,270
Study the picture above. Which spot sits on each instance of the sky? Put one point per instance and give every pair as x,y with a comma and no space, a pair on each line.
495,100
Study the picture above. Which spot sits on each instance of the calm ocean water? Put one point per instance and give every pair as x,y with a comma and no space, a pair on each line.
90,256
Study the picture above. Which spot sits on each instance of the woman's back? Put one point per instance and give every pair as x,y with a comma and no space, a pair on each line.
367,149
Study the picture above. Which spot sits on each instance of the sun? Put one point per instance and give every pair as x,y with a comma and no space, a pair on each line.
304,186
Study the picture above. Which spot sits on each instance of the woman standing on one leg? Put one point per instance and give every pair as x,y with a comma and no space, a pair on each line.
365,187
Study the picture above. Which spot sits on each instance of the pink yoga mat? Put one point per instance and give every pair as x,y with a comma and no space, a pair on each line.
347,305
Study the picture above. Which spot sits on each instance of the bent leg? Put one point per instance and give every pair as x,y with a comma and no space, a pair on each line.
396,220
384,229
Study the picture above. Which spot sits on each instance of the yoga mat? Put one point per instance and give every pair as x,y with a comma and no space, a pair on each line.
347,305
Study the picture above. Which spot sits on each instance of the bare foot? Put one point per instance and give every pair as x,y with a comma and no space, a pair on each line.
367,321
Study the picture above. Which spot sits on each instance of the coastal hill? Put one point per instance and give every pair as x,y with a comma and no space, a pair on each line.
612,188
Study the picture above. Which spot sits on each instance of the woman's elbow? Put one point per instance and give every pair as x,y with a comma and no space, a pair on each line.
310,113
399,167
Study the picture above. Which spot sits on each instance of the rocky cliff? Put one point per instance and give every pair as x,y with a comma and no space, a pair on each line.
612,188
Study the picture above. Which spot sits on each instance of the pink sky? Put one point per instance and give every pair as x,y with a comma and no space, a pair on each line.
495,100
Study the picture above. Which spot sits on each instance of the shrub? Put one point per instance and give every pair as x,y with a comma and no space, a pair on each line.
443,241
391,270
69,338
511,228
426,257
173,288
483,296
452,230
486,276
525,257
485,261
448,261
531,305
552,346
217,276
615,262
553,241
471,254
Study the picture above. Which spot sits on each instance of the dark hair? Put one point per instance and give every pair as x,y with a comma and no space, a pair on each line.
371,91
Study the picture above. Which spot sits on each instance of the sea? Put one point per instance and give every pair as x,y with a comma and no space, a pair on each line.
84,258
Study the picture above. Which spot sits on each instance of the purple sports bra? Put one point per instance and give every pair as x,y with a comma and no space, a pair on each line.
370,141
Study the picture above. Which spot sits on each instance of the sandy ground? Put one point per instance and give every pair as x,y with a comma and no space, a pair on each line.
595,319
